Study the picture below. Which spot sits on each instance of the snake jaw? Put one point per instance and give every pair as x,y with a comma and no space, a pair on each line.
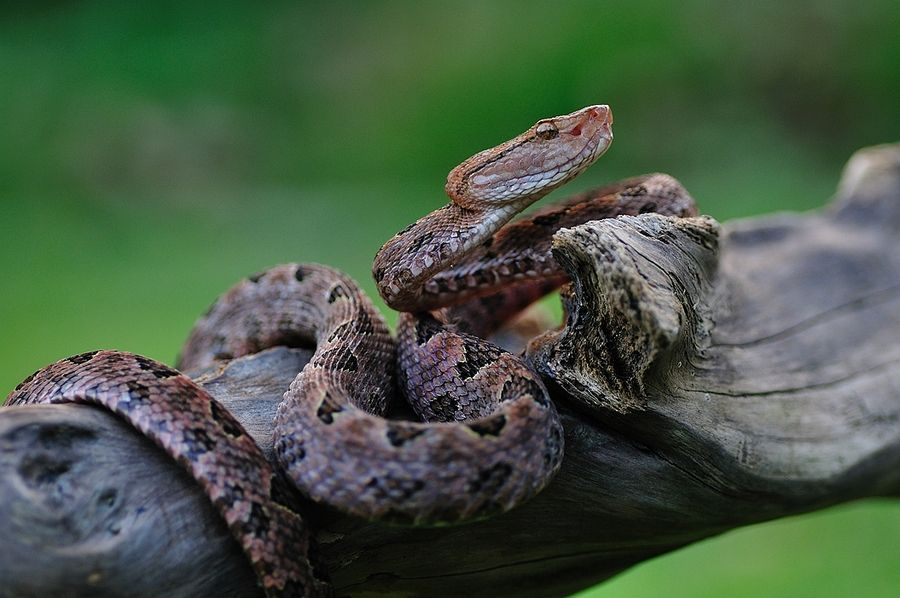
527,167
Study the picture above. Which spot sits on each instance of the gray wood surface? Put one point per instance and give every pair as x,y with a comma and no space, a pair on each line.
708,377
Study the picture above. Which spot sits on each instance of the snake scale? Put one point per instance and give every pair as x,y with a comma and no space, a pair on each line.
490,437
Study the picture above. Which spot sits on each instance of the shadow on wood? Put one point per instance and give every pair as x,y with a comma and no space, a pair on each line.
707,379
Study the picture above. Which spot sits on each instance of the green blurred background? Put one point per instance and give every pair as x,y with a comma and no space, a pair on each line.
152,154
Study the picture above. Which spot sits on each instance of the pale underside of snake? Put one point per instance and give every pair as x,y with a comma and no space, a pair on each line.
490,438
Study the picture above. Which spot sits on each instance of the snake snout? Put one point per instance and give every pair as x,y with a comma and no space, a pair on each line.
593,122
599,116
600,112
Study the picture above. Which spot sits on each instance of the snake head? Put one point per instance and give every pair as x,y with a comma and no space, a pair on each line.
534,163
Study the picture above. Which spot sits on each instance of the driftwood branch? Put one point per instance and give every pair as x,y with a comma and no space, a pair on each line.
707,379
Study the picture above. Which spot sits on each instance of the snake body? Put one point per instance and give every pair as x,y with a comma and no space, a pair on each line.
258,504
490,438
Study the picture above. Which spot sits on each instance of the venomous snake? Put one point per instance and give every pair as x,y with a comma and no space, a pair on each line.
490,437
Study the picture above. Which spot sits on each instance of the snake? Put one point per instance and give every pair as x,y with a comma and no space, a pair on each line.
489,437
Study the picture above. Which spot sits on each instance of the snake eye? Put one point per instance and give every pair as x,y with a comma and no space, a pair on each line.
546,130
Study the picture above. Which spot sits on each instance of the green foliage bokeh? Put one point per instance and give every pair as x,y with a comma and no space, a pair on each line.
153,154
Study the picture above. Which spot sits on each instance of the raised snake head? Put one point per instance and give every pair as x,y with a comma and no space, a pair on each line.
534,163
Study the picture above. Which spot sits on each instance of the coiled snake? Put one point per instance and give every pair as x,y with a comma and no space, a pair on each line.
492,437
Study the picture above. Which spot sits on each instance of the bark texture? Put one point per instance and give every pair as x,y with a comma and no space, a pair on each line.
708,377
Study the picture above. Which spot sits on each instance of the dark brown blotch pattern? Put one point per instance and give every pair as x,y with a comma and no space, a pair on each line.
82,357
426,328
225,420
420,241
491,479
491,426
159,370
445,405
327,409
340,357
475,357
393,488
517,386
399,434
337,292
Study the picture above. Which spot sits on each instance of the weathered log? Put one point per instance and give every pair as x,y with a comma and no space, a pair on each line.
707,379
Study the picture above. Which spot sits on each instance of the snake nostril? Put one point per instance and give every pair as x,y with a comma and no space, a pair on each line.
598,112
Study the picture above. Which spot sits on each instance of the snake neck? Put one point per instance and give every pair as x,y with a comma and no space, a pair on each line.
405,267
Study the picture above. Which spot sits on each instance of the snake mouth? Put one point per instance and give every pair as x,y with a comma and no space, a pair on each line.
602,116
